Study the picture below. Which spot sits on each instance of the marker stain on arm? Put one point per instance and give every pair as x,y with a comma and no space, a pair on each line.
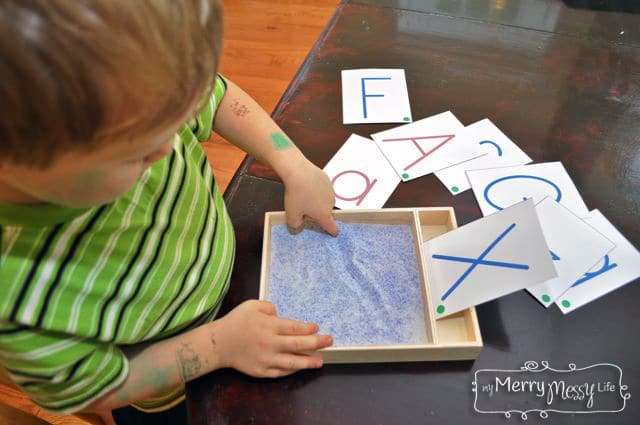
188,361
280,141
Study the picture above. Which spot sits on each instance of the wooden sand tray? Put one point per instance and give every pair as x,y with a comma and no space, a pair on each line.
455,337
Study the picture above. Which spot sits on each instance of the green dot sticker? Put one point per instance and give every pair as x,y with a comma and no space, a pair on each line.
405,176
546,298
440,309
406,119
454,189
566,304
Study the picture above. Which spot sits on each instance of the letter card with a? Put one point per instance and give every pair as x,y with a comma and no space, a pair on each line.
361,175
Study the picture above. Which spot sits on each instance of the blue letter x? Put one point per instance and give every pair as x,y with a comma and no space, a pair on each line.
480,260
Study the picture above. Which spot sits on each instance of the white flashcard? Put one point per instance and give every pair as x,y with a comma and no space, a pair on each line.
360,174
574,247
616,269
417,149
375,96
497,188
498,151
486,259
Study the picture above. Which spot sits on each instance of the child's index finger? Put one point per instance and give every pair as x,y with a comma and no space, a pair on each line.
294,327
328,224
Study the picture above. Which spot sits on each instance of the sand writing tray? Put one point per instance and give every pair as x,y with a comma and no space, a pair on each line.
455,337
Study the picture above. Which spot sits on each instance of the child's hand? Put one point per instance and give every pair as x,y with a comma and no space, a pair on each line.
253,340
309,195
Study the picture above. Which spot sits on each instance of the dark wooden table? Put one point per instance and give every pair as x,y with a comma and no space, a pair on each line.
562,79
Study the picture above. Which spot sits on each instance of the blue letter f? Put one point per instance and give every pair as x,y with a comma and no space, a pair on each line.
364,92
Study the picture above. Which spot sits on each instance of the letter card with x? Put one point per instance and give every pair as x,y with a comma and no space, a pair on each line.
486,259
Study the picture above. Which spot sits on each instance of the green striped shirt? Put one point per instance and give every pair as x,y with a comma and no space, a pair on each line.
78,284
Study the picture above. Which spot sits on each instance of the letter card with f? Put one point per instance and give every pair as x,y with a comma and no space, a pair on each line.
375,96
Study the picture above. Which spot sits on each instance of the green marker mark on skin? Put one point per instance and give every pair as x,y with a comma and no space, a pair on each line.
566,304
406,118
546,298
280,141
405,176
454,189
440,309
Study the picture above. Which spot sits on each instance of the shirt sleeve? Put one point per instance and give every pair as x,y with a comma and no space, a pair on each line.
61,374
202,124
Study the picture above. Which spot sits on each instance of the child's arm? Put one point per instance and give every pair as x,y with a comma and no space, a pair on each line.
308,191
251,339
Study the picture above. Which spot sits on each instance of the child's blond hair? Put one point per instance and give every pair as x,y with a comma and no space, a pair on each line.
78,73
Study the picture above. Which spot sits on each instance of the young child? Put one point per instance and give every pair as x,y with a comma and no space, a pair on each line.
116,245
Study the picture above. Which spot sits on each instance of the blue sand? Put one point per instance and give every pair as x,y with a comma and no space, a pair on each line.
362,287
